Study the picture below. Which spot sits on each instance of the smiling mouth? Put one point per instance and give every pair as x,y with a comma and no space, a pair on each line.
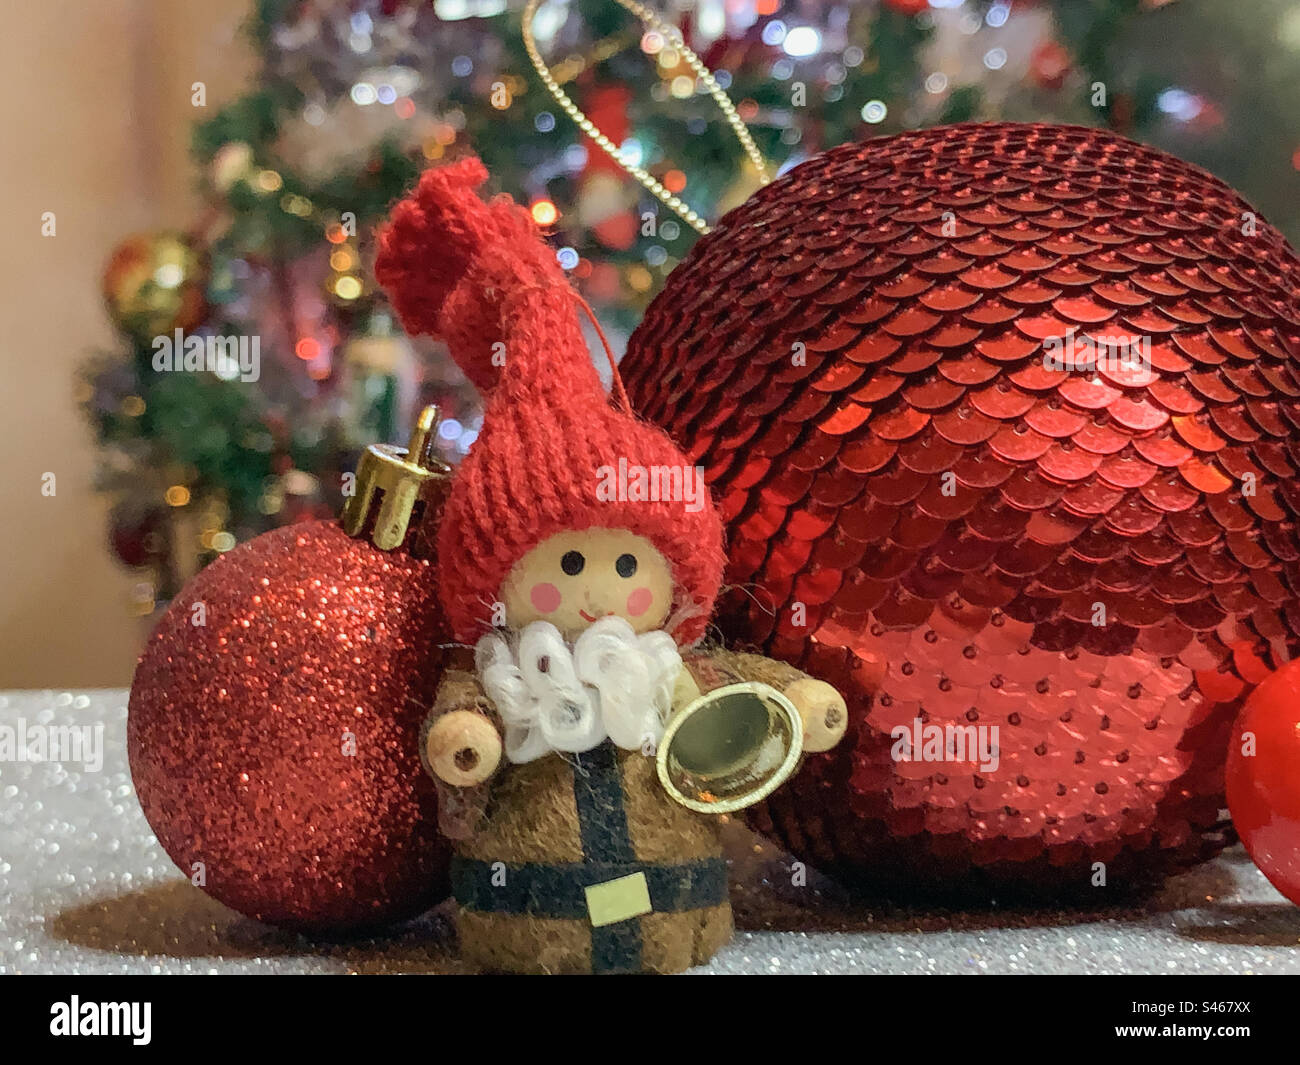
586,616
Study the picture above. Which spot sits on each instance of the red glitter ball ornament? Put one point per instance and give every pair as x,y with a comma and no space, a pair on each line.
927,511
1263,781
274,729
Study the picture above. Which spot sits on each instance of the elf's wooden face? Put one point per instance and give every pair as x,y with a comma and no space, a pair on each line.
574,578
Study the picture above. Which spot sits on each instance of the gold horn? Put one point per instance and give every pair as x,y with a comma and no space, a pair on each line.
730,748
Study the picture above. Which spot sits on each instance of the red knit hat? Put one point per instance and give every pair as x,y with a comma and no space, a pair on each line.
479,276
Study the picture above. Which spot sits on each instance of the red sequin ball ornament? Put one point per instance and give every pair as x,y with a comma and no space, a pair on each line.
1263,777
937,503
274,731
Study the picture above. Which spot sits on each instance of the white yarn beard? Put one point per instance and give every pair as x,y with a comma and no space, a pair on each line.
553,697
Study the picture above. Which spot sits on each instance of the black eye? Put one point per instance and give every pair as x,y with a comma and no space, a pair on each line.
626,565
572,563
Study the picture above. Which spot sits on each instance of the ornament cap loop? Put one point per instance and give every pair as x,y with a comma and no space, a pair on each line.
393,483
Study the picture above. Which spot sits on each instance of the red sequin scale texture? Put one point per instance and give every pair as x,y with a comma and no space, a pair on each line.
1096,564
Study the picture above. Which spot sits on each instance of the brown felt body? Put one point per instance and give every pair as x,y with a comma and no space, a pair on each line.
532,817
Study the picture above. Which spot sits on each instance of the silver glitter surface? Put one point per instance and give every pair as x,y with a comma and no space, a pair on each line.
85,888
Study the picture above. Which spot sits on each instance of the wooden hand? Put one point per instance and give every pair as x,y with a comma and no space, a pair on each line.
463,748
824,711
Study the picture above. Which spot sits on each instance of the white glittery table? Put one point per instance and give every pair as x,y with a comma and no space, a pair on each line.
85,888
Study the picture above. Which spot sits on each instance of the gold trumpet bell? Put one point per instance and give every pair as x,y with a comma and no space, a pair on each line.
730,748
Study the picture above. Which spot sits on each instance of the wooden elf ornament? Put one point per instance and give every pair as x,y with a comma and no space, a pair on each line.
579,553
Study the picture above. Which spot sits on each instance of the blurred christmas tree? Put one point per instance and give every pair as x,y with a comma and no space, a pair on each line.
356,97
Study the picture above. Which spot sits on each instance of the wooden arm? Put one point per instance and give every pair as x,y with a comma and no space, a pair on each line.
820,705
462,740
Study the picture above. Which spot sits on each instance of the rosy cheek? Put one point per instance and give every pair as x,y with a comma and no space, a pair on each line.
545,597
639,602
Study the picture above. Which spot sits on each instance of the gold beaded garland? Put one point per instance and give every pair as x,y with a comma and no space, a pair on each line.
674,36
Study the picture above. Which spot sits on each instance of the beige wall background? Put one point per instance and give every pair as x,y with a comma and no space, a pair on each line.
96,119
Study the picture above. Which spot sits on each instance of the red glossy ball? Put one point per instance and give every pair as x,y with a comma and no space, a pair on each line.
274,731
1263,776
1006,414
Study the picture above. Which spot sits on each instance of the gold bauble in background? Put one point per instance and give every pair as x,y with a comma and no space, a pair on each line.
154,284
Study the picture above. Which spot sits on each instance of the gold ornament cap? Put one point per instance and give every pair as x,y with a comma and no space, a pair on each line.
397,487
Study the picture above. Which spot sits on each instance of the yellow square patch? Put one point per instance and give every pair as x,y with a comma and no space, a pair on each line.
618,900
